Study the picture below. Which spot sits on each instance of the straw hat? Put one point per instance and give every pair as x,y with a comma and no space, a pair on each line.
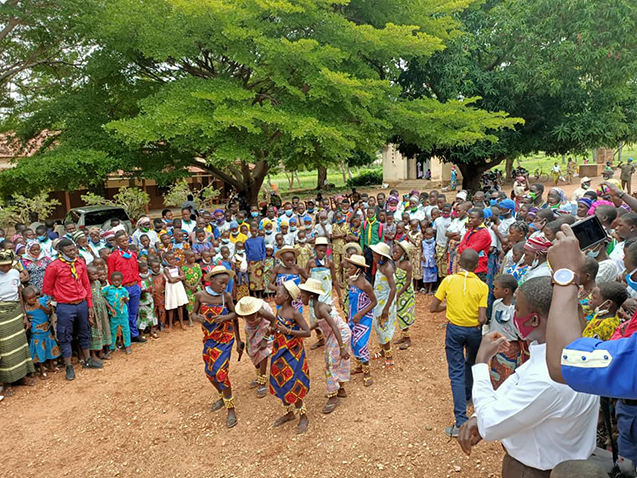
6,257
406,246
285,249
357,260
382,249
312,285
248,306
321,241
292,289
354,245
216,271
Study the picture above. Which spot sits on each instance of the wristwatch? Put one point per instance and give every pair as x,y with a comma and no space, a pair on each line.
565,277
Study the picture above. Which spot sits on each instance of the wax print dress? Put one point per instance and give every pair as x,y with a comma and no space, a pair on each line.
116,299
337,370
218,340
268,265
359,300
385,331
100,332
193,276
323,274
281,278
289,373
415,237
256,331
406,303
305,254
146,317
42,345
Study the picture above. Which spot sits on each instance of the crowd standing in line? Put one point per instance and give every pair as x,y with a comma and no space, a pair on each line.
356,263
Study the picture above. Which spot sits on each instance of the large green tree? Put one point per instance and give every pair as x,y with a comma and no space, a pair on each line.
567,68
235,87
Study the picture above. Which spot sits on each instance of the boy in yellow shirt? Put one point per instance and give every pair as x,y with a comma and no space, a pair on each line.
466,310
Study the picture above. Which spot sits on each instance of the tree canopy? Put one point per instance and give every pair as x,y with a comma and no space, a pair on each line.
236,87
567,68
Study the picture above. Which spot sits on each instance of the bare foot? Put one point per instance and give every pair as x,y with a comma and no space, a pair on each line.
301,428
288,417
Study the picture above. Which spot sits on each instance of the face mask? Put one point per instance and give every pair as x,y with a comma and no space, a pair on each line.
254,214
221,220
42,238
311,211
301,241
445,215
600,311
365,205
493,202
429,241
239,221
391,208
631,283
234,233
586,186
593,254
535,263
340,221
225,241
292,228
525,330
145,229
289,213
217,249
268,232
212,292
371,218
533,196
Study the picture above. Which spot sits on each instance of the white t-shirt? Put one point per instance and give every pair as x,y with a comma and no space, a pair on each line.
9,284
502,320
441,226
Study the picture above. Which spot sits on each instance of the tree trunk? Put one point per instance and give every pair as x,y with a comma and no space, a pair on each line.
619,152
322,178
472,172
343,171
508,168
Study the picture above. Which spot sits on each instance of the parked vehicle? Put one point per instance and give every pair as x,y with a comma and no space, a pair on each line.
89,216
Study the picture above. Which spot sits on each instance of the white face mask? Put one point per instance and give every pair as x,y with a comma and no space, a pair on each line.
600,310
535,262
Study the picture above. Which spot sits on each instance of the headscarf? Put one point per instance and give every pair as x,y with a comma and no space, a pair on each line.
18,247
596,204
532,212
31,257
77,235
588,202
95,229
141,221
538,244
560,193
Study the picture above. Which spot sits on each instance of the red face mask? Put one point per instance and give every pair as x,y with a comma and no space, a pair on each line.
525,330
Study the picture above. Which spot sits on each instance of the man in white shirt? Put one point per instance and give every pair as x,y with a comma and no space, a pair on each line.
585,184
143,228
540,423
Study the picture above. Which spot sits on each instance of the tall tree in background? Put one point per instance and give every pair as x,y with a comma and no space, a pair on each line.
234,87
567,68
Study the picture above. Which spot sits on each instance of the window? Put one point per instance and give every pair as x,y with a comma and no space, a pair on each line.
97,218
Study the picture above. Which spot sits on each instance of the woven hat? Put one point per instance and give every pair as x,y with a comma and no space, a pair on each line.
248,306
215,271
6,257
382,249
312,285
357,260
354,245
321,241
292,289
406,246
285,249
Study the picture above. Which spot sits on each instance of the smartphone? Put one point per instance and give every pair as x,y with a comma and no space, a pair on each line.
589,232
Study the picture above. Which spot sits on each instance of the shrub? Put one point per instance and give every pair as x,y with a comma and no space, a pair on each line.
179,191
367,177
133,200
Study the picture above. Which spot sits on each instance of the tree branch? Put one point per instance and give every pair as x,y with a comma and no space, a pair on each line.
201,163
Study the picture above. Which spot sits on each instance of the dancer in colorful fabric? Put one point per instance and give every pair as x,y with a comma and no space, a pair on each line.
268,266
351,248
337,341
289,373
362,301
42,345
255,254
214,310
259,318
405,295
385,310
287,269
321,268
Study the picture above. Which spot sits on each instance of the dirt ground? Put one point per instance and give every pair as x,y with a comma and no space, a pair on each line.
147,415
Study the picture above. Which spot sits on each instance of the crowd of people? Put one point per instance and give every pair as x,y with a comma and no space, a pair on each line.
492,263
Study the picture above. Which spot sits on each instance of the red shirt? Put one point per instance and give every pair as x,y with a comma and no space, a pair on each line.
60,284
128,267
478,239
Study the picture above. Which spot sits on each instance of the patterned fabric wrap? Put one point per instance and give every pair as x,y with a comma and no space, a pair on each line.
101,331
15,357
193,276
384,331
337,370
255,271
406,303
503,365
42,345
256,331
146,316
280,279
289,373
218,340
359,300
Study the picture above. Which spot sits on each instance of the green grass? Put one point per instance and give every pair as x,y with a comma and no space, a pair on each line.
544,162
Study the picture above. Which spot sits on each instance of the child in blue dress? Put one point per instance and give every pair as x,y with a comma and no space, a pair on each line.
117,303
42,345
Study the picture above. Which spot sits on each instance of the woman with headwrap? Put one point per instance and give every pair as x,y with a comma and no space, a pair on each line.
35,261
535,253
415,209
391,206
82,247
95,240
583,206
557,201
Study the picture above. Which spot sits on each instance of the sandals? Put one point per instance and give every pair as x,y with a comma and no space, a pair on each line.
44,376
154,335
318,344
231,421
330,407
367,381
378,355
218,405
404,346
262,392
